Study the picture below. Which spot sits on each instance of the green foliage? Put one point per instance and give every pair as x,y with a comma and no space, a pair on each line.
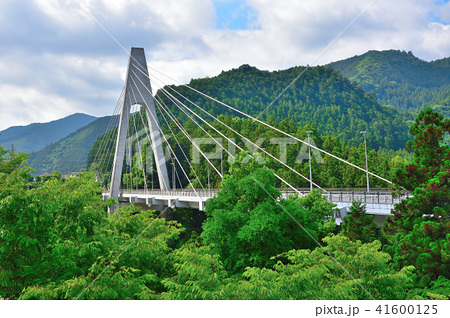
199,274
419,232
398,78
129,257
343,270
70,153
45,232
321,97
246,225
56,239
438,290
358,225
134,258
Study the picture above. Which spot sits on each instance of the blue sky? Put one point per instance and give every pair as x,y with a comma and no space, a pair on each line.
55,60
235,15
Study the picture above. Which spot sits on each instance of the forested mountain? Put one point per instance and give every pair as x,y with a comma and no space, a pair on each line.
70,153
399,78
321,98
36,136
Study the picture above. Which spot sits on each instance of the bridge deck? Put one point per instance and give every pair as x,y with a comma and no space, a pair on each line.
378,202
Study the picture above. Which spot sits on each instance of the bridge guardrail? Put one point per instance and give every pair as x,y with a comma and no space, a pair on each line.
378,196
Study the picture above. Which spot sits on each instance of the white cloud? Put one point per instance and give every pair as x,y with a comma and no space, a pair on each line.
51,50
436,40
23,105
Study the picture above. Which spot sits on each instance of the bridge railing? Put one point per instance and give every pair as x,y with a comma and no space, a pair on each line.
176,193
376,196
364,197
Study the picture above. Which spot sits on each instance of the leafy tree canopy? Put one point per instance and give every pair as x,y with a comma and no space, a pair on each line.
420,229
248,222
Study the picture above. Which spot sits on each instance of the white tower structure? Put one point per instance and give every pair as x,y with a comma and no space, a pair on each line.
137,80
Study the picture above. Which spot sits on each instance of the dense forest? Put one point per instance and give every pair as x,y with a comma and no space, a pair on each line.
57,240
399,78
320,96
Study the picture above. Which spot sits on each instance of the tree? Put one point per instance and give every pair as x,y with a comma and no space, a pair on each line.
341,270
358,225
130,256
47,233
248,222
199,274
419,232
55,239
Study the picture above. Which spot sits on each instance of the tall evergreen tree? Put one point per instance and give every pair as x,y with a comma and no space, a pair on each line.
420,229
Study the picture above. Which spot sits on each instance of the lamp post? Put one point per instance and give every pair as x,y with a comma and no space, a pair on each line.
367,165
173,175
209,187
309,156
221,162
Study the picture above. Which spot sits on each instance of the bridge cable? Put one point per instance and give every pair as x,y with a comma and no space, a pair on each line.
174,120
169,113
138,141
234,131
194,143
169,146
276,175
229,140
236,145
179,145
289,135
262,149
274,128
177,103
108,143
254,144
107,136
162,133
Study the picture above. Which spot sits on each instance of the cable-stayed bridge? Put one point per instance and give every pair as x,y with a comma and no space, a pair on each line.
141,146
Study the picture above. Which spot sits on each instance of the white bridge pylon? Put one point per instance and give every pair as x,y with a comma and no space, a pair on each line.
137,75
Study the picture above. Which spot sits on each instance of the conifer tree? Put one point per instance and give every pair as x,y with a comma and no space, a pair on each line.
420,229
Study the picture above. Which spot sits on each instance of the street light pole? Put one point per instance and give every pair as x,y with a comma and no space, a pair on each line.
221,162
209,187
367,164
309,156
173,175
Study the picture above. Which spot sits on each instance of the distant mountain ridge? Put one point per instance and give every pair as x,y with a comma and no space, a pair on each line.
36,136
70,153
399,78
321,98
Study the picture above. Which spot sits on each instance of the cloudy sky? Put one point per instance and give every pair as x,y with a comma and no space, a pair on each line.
59,57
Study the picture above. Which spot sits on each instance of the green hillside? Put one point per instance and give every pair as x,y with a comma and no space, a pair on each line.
70,153
321,98
36,136
399,78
